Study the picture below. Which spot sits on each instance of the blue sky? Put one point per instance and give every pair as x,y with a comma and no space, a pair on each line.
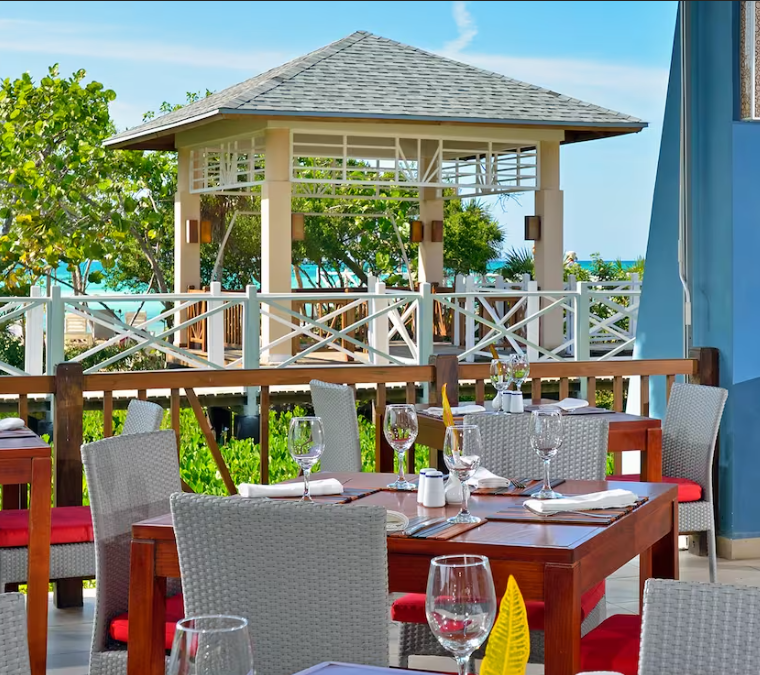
614,54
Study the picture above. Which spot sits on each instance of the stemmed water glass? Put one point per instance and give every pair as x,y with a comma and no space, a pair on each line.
520,371
460,604
546,439
400,428
206,645
306,444
501,378
461,452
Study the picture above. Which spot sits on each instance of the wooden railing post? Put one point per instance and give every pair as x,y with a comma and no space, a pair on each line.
446,372
68,408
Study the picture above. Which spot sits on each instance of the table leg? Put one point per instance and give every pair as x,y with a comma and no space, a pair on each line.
651,460
147,612
39,564
562,622
661,560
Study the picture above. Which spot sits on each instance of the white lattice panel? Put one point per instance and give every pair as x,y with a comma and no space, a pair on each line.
232,166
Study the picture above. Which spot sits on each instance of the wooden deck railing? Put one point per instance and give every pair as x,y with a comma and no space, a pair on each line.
69,387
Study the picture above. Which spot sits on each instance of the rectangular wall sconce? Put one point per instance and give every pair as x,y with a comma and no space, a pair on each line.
191,231
297,227
416,231
532,228
205,232
436,233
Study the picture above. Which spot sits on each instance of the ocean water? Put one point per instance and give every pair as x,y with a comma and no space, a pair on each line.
154,308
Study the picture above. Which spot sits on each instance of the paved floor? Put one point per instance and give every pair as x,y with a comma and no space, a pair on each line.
70,630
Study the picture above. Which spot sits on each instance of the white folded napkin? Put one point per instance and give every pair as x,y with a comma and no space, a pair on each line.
329,486
610,499
395,521
567,404
11,423
457,410
483,478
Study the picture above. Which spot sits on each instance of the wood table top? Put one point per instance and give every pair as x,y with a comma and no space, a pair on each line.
497,539
23,444
334,668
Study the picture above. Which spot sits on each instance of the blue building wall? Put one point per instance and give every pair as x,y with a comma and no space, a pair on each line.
725,251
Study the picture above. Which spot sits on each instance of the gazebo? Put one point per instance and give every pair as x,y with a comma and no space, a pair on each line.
373,113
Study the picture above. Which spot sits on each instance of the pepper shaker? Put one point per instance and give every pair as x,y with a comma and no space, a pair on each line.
434,496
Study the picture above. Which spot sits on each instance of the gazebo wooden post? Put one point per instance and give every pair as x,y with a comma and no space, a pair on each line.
430,252
187,248
276,256
549,257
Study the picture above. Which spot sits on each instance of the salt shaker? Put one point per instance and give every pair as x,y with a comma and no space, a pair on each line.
421,483
434,496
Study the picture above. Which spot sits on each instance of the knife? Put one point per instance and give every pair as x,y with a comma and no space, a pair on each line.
428,522
434,530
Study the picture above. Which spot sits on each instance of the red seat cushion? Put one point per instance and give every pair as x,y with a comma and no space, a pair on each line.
613,645
688,490
410,608
175,611
69,525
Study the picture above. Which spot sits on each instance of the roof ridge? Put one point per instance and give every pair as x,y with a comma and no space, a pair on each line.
325,52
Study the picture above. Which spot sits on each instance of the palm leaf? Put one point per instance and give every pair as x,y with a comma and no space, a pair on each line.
509,644
448,416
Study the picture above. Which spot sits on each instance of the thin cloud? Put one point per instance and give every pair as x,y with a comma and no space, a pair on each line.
99,41
465,25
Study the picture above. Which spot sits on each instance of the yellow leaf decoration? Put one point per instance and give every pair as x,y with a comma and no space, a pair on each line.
494,354
448,416
509,644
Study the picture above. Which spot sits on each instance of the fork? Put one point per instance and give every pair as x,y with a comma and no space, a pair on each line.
520,483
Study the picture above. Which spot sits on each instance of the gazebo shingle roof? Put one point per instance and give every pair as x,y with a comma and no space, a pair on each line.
368,76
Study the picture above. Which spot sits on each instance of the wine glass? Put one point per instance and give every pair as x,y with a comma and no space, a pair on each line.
306,444
546,438
501,378
206,645
400,428
460,604
461,452
520,371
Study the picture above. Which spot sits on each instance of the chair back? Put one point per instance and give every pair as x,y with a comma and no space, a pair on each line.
689,433
14,648
699,628
335,404
311,579
507,450
142,417
129,478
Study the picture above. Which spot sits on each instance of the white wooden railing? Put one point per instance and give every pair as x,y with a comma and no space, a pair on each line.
377,326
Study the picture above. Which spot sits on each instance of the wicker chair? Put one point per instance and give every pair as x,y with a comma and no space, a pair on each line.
261,560
142,417
14,649
687,627
507,452
335,404
689,433
130,478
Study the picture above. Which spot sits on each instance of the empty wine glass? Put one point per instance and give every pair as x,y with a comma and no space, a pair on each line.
207,645
546,439
501,378
306,444
520,372
460,604
461,452
400,428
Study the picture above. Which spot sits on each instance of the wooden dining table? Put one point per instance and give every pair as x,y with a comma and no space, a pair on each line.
25,460
337,668
627,433
552,562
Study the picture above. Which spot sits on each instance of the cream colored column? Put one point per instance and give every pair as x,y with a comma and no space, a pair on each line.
550,253
275,236
187,257
430,267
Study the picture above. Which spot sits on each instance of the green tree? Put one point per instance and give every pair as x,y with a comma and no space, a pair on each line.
472,237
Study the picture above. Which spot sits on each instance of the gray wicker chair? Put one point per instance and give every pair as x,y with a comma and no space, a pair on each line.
261,560
14,648
130,478
689,433
507,452
335,404
142,417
